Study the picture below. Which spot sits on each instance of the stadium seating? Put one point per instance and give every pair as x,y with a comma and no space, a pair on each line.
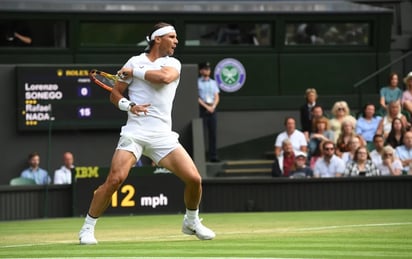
22,181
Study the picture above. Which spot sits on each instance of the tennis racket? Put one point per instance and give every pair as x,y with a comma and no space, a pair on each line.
103,79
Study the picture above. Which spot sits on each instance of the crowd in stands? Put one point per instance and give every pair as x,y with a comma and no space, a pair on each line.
377,141
40,176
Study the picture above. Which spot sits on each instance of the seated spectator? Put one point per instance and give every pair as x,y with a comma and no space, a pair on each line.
329,165
340,112
391,165
361,165
407,94
306,111
297,138
385,125
354,143
64,174
319,133
391,93
367,123
404,152
299,169
34,172
282,164
377,152
395,136
317,112
347,133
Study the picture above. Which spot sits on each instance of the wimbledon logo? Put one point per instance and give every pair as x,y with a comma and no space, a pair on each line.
230,75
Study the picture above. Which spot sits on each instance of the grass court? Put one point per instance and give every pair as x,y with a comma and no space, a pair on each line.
316,234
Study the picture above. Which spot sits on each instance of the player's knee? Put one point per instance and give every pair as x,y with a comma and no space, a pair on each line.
114,182
195,180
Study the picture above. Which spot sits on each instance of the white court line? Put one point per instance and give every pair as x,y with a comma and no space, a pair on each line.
279,230
354,226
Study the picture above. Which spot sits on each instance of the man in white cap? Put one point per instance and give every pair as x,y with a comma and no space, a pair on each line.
151,80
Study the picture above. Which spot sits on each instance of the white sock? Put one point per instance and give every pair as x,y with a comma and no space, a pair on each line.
192,214
90,221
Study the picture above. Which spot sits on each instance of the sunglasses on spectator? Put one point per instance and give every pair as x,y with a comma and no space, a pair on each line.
341,109
329,148
388,154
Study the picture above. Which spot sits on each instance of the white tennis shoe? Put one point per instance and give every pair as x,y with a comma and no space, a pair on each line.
196,228
86,236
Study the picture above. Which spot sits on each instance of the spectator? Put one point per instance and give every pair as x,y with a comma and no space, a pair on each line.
367,123
391,93
299,169
39,175
404,152
376,154
347,133
385,125
64,174
329,165
395,136
354,143
340,112
284,162
297,138
208,100
317,112
391,165
361,165
407,94
15,34
306,111
319,133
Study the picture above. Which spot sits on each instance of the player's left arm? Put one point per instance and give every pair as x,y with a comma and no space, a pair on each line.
164,75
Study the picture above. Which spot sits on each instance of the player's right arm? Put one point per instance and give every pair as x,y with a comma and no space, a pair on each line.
118,99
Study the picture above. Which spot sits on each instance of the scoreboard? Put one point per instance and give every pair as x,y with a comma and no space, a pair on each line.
64,98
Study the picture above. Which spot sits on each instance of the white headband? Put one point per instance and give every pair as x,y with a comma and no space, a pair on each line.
162,31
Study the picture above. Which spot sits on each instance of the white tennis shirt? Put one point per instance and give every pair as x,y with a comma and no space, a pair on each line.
160,96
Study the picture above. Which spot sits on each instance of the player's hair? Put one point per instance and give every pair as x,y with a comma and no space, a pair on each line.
155,28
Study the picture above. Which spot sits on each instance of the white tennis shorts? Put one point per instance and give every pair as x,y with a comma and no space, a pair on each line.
155,146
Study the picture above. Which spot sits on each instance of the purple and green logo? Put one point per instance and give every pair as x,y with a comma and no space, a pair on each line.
230,75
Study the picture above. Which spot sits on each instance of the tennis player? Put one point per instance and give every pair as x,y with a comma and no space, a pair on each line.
151,79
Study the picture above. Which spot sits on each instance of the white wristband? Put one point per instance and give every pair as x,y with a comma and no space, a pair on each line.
124,104
139,72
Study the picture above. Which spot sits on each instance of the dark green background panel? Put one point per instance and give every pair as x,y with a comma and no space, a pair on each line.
262,77
329,73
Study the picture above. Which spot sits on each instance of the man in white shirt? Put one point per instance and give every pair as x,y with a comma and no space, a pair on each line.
329,165
296,137
64,174
404,152
150,81
376,154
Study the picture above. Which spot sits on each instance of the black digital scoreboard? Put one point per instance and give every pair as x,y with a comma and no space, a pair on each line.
64,98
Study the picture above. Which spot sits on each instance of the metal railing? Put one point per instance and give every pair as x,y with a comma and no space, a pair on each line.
360,82
365,79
